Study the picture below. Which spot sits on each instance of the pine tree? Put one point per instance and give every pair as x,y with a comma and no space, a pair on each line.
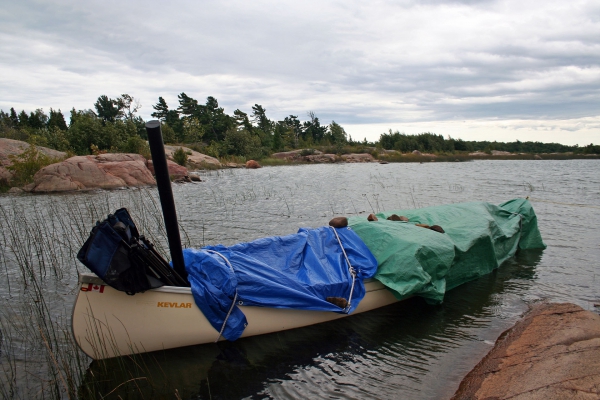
162,109
14,118
188,106
57,119
108,109
23,119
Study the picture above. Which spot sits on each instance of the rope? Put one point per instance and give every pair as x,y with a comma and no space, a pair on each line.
350,268
234,297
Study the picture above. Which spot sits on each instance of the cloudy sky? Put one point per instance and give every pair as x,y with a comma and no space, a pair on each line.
477,70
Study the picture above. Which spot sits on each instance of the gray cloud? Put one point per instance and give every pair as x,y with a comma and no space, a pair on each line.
354,62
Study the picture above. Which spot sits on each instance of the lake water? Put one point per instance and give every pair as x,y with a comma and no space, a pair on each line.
407,350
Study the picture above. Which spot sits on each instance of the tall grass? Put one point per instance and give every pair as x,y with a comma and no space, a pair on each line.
39,240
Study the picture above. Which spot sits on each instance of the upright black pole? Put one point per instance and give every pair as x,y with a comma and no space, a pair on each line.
163,180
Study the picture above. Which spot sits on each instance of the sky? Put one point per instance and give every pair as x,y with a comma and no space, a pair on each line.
500,70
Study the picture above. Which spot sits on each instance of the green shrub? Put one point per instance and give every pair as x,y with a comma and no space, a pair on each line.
180,156
136,144
25,165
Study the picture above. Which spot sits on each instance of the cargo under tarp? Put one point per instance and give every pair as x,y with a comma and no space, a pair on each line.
294,271
302,270
478,237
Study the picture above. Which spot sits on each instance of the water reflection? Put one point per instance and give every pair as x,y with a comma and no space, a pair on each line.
396,351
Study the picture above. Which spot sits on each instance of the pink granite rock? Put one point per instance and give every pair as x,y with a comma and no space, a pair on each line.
552,353
252,164
358,157
10,147
195,160
176,171
105,171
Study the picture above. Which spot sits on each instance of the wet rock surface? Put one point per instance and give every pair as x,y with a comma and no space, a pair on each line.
552,353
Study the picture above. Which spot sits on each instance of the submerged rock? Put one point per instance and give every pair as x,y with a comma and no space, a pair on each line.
552,353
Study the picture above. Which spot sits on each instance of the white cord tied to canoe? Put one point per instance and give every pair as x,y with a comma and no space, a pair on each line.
350,269
234,297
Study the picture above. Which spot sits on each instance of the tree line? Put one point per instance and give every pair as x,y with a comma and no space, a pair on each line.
432,143
114,125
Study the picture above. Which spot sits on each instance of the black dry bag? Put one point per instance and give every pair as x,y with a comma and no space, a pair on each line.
124,260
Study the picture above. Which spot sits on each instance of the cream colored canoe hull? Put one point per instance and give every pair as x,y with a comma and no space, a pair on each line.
108,323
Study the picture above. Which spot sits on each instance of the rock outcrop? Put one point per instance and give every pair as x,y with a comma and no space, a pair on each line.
10,147
321,158
195,160
358,158
293,155
552,353
105,171
176,171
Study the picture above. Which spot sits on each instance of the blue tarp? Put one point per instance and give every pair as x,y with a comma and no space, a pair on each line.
294,271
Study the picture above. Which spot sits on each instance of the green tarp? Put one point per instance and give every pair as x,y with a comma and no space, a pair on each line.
478,238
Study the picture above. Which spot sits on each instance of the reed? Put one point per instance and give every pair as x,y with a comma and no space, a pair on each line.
39,240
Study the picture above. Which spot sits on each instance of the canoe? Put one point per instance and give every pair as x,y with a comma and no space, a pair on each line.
411,261
109,323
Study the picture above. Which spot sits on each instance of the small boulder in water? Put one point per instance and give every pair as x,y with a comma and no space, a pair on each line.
339,222
251,164
372,217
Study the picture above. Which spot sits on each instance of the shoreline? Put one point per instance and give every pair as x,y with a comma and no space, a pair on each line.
552,352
